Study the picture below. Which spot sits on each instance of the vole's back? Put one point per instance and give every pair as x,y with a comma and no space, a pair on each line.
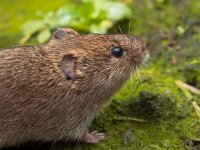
20,71
25,81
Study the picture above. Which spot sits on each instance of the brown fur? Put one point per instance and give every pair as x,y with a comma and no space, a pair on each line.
38,101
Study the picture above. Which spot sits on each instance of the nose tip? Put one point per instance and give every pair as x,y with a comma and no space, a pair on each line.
138,49
143,47
141,44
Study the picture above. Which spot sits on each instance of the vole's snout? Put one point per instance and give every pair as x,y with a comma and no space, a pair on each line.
137,50
143,48
138,45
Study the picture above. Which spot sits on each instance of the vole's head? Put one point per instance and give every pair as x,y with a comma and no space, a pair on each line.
96,59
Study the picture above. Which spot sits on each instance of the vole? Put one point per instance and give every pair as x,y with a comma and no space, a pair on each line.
52,92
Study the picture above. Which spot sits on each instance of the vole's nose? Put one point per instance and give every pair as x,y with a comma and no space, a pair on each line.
143,48
138,45
138,49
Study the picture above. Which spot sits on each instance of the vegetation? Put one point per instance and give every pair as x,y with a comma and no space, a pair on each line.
93,16
160,111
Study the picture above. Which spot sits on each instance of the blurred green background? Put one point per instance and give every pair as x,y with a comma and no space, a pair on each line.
160,112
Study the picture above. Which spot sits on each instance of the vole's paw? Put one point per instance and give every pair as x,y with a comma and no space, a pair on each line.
93,137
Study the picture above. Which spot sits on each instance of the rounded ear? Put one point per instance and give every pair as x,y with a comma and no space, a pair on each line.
62,32
68,66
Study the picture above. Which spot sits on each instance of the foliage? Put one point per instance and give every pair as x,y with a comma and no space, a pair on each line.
93,16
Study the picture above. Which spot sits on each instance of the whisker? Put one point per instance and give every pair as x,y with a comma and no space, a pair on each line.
132,77
145,65
116,31
138,74
151,59
137,84
135,27
134,69
129,27
119,28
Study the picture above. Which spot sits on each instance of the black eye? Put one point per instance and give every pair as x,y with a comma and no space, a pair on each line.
117,51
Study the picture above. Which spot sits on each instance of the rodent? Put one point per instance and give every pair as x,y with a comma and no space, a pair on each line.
52,92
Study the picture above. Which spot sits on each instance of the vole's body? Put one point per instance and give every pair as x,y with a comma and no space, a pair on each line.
53,92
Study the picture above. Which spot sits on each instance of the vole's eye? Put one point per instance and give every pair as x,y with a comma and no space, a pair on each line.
117,51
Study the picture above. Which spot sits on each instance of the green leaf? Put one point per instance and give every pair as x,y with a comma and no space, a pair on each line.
31,27
118,10
97,28
180,30
44,36
66,14
86,11
64,20
115,10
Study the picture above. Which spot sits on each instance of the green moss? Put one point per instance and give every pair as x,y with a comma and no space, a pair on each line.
153,106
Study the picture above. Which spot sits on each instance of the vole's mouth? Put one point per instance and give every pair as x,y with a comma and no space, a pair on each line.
137,60
138,56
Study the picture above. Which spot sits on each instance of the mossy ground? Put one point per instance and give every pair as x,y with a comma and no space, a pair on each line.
172,33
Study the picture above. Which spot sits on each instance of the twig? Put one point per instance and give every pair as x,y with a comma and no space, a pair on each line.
25,39
123,118
196,107
184,87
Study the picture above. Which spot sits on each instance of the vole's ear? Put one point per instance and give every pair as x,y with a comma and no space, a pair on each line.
62,32
68,66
